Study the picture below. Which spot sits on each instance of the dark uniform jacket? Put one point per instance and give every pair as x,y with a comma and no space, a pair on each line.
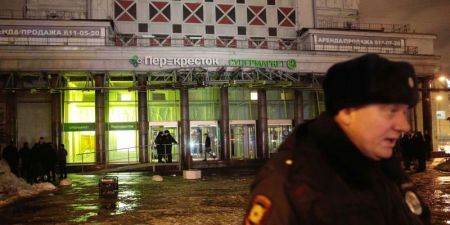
319,177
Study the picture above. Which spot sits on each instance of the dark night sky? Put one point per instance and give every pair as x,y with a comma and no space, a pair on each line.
424,16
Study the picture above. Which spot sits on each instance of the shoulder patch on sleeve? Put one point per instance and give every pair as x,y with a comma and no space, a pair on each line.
261,205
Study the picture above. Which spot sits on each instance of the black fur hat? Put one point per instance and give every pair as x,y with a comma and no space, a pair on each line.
369,79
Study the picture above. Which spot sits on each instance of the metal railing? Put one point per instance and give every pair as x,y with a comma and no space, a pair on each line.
42,14
130,155
210,43
393,28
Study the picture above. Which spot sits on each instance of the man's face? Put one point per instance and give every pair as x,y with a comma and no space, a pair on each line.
375,128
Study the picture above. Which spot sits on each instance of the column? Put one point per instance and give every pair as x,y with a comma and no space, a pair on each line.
224,124
11,117
426,112
298,107
185,129
143,118
56,109
262,127
100,148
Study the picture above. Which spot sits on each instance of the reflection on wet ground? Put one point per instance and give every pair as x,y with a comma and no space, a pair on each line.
434,187
213,200
217,199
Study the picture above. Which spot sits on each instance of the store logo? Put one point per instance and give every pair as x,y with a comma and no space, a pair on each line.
135,61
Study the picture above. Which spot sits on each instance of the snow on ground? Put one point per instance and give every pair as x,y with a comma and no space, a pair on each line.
13,188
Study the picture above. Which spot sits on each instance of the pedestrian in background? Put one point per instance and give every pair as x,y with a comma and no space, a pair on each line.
25,156
62,161
208,150
11,155
338,168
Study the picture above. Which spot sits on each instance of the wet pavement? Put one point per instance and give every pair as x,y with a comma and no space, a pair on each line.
434,187
217,199
212,200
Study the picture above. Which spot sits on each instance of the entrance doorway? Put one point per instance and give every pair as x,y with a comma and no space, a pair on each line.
278,132
243,139
155,128
199,130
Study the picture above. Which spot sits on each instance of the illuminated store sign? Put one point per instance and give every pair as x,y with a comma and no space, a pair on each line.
73,127
290,63
323,39
181,62
122,126
50,31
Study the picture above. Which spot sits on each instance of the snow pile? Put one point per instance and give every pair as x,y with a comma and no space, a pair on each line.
157,178
65,182
13,188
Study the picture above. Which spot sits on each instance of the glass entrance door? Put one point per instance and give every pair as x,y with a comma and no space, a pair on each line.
243,139
155,128
278,132
199,131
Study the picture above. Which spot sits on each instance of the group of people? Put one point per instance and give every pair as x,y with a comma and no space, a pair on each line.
163,145
414,147
38,163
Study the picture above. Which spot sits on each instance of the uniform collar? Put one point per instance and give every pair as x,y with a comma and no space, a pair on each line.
342,155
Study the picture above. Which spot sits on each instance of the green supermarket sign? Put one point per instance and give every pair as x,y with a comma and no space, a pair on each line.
73,127
290,63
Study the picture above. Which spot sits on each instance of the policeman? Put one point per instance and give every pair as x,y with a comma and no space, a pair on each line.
339,169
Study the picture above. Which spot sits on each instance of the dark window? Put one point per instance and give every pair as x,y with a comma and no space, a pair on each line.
272,31
270,2
209,29
143,27
176,28
242,30
209,0
240,1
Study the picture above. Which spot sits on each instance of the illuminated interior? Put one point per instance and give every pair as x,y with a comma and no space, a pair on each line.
240,106
280,104
122,129
277,134
163,105
204,103
154,129
197,141
79,108
243,141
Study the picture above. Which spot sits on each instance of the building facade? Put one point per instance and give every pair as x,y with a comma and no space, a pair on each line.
104,77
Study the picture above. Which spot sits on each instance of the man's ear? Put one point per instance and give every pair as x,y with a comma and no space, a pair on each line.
344,116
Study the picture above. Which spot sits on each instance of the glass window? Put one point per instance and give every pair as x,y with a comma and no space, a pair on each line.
241,107
204,103
163,105
122,124
79,124
280,104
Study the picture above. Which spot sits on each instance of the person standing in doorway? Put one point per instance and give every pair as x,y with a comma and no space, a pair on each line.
159,145
168,141
208,150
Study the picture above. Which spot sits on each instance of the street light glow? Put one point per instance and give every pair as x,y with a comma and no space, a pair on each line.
439,97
